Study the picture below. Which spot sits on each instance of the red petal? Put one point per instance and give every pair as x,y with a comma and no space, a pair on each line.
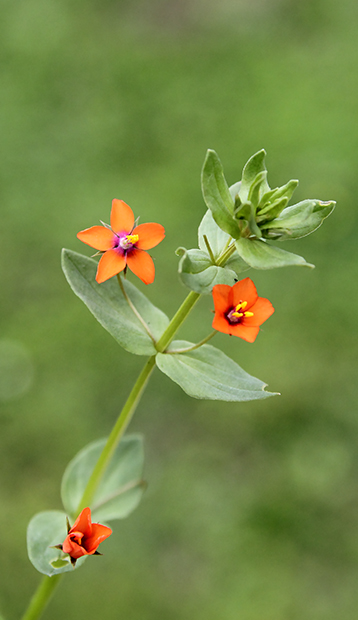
98,237
73,549
122,217
99,534
245,332
223,299
83,523
110,264
149,235
245,290
142,265
262,310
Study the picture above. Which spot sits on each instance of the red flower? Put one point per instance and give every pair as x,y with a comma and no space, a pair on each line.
123,244
239,311
84,537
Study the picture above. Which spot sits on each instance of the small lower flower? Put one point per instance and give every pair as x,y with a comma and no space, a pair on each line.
84,537
123,244
239,311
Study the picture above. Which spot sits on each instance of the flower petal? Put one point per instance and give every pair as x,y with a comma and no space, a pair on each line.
262,310
98,237
149,235
83,523
122,217
111,263
244,290
73,549
142,265
223,299
245,332
99,534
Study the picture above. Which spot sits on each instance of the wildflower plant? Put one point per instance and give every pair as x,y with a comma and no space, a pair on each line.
238,232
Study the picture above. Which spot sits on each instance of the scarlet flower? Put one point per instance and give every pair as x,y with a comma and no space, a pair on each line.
123,244
239,311
84,537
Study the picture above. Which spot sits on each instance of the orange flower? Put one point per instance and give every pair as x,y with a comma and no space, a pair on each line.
239,311
84,537
123,244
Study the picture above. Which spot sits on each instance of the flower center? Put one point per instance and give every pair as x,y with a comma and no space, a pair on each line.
127,242
237,313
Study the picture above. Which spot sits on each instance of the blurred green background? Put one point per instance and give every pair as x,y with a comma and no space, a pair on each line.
251,510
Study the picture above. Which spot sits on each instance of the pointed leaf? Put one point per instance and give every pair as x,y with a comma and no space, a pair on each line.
45,530
110,308
217,195
208,373
299,220
255,164
261,255
121,487
285,190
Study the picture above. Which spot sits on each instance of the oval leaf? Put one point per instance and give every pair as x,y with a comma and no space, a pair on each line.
261,255
208,373
199,274
252,168
45,530
121,487
217,238
110,308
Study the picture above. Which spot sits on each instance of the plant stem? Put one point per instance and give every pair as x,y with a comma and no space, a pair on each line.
225,255
179,317
41,597
48,584
116,434
195,346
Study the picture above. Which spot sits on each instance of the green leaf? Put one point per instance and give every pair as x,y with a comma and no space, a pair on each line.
198,273
253,167
45,530
218,238
217,195
121,487
299,220
110,308
261,255
208,373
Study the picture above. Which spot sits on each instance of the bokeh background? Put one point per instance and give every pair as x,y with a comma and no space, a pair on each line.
251,510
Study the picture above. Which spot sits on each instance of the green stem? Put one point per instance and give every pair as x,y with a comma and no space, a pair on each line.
41,597
226,255
117,433
180,316
48,584
195,346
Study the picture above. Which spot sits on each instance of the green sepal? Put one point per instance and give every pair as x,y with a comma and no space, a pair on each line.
121,487
260,255
257,188
110,308
44,532
271,210
210,374
254,166
216,194
299,220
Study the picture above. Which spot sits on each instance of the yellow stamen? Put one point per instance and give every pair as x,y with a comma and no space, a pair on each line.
247,313
132,238
241,306
237,314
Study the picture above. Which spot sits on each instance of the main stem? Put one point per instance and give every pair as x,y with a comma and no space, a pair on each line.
48,584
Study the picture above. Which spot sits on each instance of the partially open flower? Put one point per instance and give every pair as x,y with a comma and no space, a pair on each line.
239,311
84,537
123,244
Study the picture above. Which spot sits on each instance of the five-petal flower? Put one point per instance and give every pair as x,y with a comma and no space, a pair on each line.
239,311
84,537
124,244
